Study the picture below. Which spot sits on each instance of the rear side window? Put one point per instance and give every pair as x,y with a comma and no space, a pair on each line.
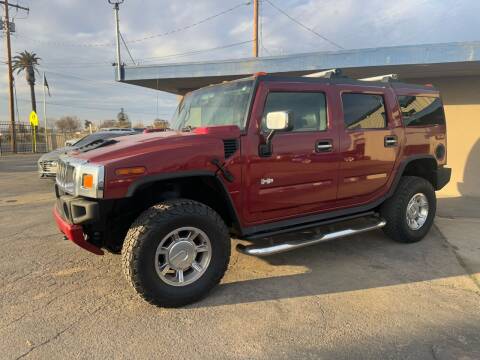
364,111
308,108
421,110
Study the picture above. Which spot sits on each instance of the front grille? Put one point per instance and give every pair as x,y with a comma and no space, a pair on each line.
66,177
49,166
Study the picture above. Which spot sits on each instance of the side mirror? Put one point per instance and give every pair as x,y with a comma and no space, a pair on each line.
275,121
278,120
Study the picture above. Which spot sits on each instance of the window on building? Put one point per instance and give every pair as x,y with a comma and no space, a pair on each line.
308,109
364,111
421,110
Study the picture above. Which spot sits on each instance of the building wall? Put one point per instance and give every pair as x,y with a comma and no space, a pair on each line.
461,97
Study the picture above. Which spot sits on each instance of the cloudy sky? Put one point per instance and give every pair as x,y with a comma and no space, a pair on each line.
75,41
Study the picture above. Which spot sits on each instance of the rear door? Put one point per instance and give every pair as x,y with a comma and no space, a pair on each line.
300,177
369,142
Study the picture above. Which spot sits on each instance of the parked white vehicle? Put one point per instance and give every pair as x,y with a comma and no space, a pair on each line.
47,164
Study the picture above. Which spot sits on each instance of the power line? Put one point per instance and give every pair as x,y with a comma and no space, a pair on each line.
77,77
67,43
304,26
211,17
60,104
126,47
262,45
100,82
106,63
196,51
148,37
8,30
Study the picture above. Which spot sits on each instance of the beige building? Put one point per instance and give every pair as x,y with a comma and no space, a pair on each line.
461,96
454,68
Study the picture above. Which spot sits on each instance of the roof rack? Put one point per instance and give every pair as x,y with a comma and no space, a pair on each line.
382,78
328,74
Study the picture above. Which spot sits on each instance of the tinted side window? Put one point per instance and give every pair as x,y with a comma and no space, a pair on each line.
421,110
363,111
309,109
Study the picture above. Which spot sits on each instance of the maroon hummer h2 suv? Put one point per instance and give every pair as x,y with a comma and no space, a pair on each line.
264,157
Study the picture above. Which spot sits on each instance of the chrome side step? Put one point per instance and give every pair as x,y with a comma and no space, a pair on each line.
256,250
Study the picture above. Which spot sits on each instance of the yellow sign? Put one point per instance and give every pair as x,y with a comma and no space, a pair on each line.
33,118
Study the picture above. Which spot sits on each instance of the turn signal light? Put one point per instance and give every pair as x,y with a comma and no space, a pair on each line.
137,170
87,181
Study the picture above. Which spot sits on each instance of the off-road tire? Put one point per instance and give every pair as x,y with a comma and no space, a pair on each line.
394,209
146,232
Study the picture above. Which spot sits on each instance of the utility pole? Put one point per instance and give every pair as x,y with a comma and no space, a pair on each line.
7,30
116,7
255,28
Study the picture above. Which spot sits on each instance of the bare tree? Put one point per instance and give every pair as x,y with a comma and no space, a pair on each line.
68,123
107,124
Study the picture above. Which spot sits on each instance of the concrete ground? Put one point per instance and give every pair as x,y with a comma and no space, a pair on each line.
362,297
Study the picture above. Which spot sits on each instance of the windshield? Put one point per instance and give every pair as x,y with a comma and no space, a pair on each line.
224,104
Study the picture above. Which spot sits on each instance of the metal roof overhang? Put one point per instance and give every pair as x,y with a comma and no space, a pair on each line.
409,62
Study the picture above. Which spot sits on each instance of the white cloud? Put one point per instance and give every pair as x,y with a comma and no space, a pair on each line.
352,23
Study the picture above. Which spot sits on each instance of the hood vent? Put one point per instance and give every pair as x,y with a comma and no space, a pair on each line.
230,146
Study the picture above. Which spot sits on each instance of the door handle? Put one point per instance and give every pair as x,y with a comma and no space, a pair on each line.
391,141
323,146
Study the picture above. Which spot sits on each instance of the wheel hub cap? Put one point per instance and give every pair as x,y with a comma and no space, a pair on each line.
417,211
183,256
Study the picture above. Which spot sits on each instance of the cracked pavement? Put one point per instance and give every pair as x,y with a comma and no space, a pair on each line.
362,297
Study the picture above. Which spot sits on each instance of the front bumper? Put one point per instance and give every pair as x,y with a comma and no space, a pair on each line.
74,232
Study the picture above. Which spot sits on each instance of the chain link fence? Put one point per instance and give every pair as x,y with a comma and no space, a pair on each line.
27,142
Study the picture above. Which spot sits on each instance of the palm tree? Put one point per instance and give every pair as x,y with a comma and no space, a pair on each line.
27,62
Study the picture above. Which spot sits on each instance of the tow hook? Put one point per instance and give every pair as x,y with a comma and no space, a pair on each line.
226,174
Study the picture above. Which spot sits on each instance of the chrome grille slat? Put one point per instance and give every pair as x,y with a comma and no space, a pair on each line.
66,176
48,166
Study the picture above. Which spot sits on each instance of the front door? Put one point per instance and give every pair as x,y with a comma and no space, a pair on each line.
300,175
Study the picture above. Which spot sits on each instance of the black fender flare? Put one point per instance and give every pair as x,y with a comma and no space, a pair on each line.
401,168
148,179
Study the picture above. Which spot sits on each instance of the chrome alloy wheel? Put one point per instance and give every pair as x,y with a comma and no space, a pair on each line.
417,211
183,256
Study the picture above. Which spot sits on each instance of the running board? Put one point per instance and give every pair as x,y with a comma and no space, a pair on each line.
256,250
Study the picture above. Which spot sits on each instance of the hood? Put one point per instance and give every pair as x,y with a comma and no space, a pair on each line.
138,146
55,154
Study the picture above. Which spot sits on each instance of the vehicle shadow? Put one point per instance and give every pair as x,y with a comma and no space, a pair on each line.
466,205
357,263
471,173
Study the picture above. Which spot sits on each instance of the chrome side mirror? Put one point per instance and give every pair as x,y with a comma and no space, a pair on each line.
278,120
275,121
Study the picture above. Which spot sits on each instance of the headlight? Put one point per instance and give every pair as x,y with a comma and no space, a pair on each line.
89,180
80,178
